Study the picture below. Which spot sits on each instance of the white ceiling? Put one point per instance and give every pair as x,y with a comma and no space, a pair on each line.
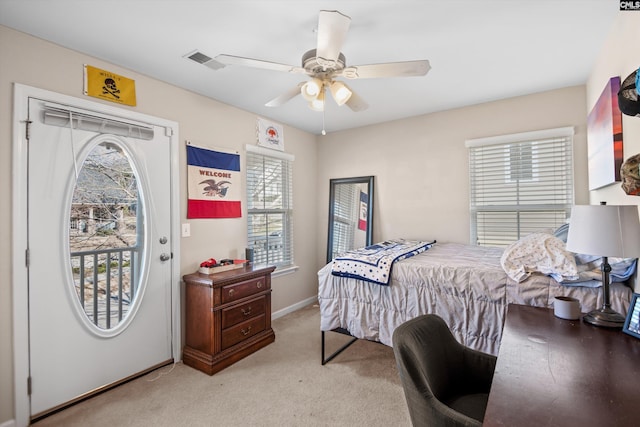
480,50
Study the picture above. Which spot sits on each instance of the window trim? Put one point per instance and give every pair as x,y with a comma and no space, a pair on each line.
269,152
521,137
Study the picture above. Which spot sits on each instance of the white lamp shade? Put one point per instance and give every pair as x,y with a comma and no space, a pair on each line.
604,230
340,92
318,103
311,89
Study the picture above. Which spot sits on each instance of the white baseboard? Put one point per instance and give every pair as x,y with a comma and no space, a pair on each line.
10,423
290,309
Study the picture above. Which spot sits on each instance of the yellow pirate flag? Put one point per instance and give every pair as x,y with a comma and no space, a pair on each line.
109,86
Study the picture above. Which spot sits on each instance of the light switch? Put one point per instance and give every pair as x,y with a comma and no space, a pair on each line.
186,230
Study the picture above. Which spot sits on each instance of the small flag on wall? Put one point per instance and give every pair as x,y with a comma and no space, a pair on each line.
362,220
270,134
213,178
109,86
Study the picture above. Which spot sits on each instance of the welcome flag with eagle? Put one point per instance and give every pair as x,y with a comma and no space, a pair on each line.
213,178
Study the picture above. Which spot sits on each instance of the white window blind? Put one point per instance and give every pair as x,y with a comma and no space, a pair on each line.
270,206
519,184
65,116
346,202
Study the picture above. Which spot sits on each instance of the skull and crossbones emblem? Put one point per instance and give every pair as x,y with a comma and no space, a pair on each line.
110,88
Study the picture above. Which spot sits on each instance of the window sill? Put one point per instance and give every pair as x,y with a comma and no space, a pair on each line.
280,271
285,270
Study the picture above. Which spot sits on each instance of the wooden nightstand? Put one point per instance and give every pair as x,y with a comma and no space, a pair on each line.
228,316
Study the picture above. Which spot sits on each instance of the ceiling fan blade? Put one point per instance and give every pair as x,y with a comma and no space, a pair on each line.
282,99
389,69
332,30
257,63
356,103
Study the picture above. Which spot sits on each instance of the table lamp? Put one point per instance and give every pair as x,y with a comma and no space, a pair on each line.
606,231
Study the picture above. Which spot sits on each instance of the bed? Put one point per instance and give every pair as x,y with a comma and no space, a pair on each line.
466,285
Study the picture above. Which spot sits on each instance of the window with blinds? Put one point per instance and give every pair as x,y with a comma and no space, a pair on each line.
270,206
519,184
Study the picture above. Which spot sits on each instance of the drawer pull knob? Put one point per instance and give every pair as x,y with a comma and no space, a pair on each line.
231,292
246,312
259,285
246,332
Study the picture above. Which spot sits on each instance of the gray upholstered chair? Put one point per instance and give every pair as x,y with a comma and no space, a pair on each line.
444,382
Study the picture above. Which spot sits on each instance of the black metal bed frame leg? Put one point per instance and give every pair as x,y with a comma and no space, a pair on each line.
340,350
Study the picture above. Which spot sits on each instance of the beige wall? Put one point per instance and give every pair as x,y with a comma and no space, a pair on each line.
421,163
33,62
620,56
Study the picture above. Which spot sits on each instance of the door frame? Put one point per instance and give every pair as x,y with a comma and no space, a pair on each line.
21,94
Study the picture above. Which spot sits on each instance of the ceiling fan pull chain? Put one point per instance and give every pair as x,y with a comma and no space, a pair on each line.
323,131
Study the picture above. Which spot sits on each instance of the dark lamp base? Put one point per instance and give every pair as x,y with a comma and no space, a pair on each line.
605,317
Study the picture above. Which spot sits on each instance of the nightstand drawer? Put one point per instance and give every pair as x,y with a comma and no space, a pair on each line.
234,315
242,331
243,289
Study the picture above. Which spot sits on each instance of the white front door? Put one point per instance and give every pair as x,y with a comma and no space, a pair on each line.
100,247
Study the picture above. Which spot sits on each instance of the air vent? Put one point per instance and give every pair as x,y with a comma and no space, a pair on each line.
203,59
199,57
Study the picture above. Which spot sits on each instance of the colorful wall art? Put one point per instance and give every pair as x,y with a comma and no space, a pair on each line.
604,137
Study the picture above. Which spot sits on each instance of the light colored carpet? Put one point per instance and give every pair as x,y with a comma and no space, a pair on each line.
283,384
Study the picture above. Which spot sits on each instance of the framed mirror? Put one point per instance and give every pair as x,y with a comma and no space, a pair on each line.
350,214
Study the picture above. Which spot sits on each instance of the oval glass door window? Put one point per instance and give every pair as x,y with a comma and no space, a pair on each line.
106,235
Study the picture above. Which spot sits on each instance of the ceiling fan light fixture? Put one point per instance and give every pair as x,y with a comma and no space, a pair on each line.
340,92
322,64
318,103
311,89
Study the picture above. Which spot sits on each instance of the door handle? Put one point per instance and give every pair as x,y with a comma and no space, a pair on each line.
165,257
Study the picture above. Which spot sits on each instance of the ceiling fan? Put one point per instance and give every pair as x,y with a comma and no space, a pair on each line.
324,63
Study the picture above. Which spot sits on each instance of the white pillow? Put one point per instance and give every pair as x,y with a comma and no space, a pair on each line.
539,252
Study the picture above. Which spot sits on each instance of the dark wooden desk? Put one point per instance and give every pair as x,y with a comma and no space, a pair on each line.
555,372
